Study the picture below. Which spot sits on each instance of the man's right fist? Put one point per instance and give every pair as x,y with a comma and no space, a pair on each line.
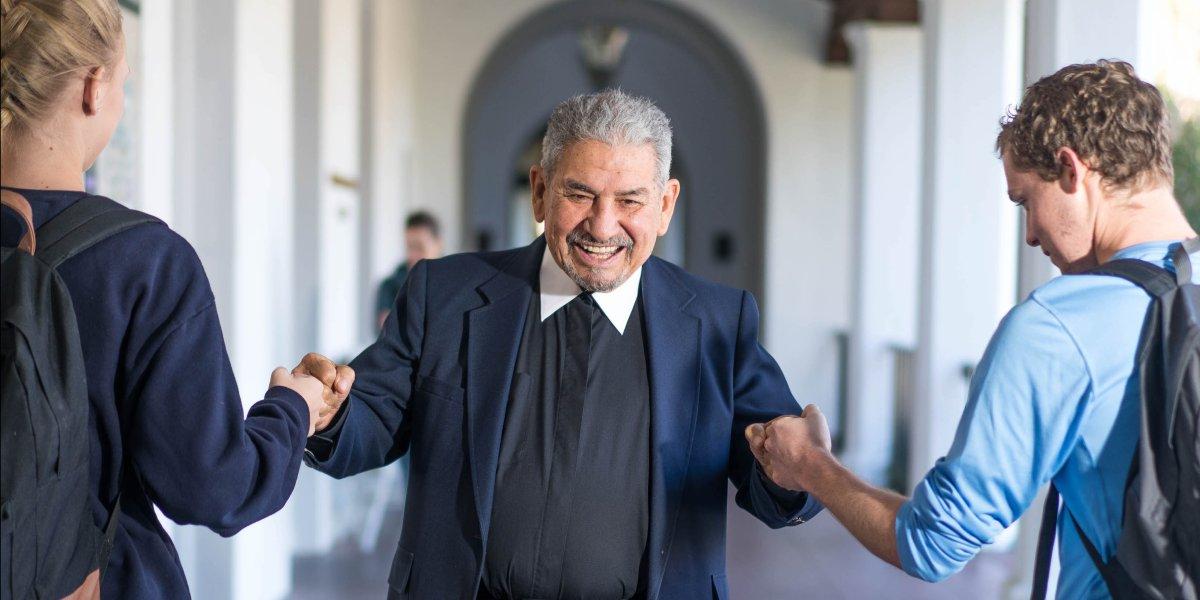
337,379
308,387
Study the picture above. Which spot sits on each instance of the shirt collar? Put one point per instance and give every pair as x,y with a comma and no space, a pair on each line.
558,289
1155,251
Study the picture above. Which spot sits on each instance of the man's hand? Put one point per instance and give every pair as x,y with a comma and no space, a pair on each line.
309,388
336,379
795,452
786,446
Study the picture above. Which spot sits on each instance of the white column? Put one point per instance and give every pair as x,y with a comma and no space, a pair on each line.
887,68
1060,33
387,165
232,177
968,256
339,171
262,224
330,223
1064,32
155,76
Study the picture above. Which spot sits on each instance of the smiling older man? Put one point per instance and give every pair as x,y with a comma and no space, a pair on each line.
574,407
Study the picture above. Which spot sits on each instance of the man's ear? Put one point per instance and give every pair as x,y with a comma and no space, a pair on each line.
670,199
1071,170
537,185
93,90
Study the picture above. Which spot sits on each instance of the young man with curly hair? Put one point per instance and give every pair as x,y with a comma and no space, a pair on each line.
1055,397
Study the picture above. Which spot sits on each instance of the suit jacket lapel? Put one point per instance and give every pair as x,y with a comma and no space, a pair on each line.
493,340
673,346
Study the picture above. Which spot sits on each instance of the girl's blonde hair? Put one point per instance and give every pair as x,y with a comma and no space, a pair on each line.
43,44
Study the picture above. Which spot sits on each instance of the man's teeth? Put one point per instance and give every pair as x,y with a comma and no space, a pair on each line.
604,250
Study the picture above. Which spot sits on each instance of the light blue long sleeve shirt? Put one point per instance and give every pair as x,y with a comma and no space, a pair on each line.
1054,398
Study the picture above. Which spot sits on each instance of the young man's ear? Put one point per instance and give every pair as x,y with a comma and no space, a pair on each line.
93,90
1071,170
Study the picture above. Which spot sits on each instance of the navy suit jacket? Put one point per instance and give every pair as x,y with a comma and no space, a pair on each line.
436,384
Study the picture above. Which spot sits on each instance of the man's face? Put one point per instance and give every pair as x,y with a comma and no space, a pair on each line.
1057,217
419,244
603,211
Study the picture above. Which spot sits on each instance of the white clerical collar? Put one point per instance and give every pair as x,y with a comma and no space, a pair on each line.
558,289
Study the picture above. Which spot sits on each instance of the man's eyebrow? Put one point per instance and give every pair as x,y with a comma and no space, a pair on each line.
571,184
638,192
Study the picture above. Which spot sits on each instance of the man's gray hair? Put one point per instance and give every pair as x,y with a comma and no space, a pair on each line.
612,117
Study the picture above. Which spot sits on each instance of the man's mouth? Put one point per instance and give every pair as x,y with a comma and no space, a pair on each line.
597,255
599,251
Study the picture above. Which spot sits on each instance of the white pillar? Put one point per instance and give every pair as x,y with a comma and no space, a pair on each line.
968,256
339,172
387,164
262,224
1060,33
232,177
330,224
155,75
1064,32
887,68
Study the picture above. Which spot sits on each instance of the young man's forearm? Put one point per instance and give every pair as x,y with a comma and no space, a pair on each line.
869,513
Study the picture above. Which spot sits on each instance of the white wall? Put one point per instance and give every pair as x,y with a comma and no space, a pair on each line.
808,111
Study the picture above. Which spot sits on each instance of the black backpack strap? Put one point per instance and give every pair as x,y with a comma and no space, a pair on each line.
83,225
1156,280
1045,545
1120,585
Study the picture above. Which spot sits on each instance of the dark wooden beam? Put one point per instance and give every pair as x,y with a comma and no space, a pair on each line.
837,51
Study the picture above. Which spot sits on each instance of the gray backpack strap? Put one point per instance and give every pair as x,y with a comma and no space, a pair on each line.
83,225
1183,260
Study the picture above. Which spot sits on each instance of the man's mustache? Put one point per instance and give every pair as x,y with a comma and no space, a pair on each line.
579,237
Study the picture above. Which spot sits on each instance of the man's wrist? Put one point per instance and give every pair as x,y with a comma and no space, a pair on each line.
819,467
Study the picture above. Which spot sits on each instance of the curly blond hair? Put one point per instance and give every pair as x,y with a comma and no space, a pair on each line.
1115,122
43,44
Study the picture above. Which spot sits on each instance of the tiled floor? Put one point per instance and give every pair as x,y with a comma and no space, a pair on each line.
818,560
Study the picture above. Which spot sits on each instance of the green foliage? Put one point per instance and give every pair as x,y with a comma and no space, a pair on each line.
1187,170
1186,158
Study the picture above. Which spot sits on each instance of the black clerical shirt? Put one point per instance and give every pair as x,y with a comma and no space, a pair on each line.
571,511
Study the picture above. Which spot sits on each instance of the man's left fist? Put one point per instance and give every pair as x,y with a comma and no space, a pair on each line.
337,379
786,446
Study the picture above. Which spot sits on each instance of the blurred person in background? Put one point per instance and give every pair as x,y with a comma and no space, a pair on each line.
422,240
164,425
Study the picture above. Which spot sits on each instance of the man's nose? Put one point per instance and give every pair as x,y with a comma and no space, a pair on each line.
604,222
1030,236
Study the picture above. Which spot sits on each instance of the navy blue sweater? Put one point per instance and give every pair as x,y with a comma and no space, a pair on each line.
164,398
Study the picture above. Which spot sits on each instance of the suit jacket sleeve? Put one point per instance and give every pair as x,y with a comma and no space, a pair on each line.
373,429
760,394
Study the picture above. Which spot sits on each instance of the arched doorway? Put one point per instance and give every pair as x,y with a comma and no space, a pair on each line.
669,55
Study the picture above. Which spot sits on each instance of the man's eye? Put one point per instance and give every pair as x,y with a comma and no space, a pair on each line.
578,197
629,202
